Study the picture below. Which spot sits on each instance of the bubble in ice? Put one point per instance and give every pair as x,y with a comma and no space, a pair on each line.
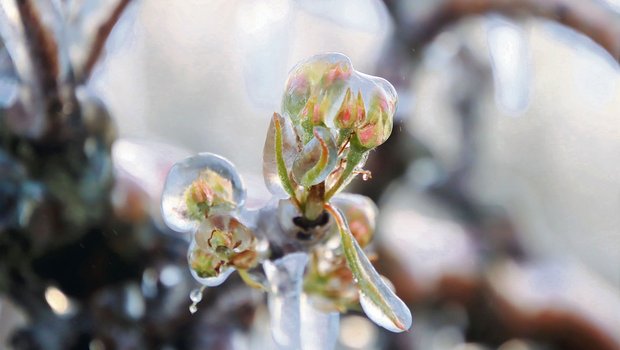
200,185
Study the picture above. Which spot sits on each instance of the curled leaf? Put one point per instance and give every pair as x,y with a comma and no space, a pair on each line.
379,302
317,159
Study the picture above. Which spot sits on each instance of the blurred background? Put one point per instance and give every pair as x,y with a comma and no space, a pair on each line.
499,189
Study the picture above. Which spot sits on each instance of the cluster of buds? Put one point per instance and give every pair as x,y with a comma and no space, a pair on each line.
203,196
332,116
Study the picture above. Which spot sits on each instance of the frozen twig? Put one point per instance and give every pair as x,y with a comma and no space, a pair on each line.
100,39
593,19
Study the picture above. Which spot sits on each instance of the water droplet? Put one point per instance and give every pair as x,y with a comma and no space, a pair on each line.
193,308
196,295
182,175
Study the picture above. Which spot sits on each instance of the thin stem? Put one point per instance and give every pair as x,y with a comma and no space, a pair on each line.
344,145
247,278
353,159
100,39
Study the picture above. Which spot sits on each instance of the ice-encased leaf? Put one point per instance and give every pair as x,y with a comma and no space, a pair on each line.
174,204
379,302
288,148
285,277
317,159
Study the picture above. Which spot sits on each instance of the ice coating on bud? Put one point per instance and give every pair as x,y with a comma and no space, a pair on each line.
321,76
199,186
220,244
326,90
377,124
352,111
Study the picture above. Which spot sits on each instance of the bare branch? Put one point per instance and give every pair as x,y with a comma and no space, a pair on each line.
591,18
100,39
43,50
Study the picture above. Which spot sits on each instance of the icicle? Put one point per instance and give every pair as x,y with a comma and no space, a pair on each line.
285,277
319,330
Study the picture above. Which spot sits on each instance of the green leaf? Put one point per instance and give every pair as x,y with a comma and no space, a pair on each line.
379,302
282,170
317,159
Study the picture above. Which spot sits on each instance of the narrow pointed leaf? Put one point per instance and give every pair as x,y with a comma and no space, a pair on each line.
379,302
278,155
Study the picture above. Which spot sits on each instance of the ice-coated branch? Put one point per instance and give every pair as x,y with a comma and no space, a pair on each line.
592,18
103,32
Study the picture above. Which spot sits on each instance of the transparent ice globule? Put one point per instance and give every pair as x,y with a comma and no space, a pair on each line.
174,203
